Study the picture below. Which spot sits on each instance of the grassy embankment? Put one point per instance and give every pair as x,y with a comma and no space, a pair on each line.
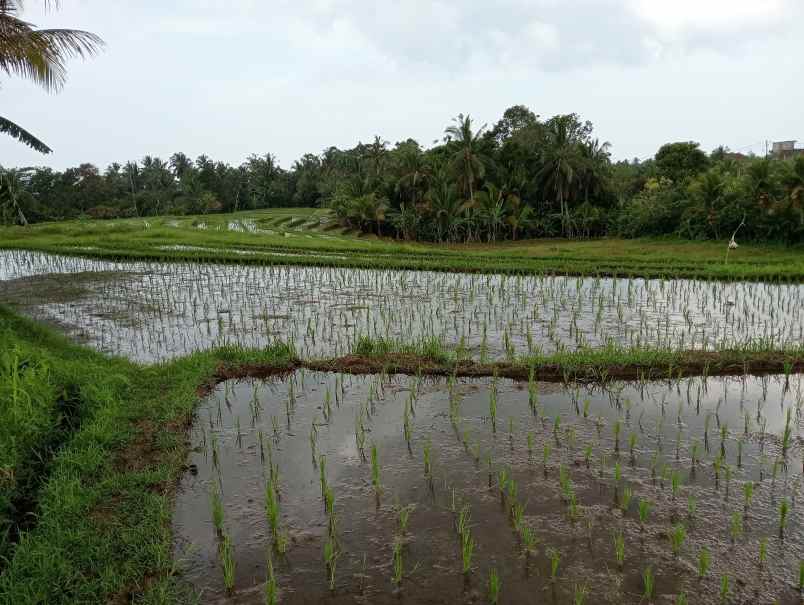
90,449
311,238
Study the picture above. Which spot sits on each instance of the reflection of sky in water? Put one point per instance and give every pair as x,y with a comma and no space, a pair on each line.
163,310
365,530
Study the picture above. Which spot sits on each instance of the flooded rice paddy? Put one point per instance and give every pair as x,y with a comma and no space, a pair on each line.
155,311
404,489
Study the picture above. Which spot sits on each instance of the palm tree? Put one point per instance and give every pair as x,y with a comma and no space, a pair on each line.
39,55
445,207
180,164
594,164
559,174
415,173
467,163
491,210
520,215
10,186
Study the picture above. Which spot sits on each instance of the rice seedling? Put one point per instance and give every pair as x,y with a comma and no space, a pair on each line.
801,576
787,433
675,483
736,526
724,588
217,508
494,585
467,551
644,512
462,523
681,598
617,427
403,514
647,584
322,473
784,509
271,584
546,456
238,432
397,563
581,592
530,444
692,507
572,508
529,539
215,453
716,466
763,552
704,561
619,548
678,534
555,559
228,563
587,455
748,492
632,441
586,404
427,463
331,555
625,499
375,468
493,404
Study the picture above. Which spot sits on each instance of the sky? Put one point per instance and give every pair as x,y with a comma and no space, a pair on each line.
230,78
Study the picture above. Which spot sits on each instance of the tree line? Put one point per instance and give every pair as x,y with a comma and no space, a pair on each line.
523,177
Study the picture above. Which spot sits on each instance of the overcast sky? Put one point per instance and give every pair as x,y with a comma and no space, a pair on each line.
234,77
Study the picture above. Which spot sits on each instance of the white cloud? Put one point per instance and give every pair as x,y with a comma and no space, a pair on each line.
678,16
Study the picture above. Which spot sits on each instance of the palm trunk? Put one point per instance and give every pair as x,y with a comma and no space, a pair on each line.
20,215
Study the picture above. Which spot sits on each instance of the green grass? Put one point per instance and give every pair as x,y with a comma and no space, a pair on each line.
296,232
373,355
102,499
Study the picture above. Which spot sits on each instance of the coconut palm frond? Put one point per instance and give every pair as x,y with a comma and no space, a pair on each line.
23,136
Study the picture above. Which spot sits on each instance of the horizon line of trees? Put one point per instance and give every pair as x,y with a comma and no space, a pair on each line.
523,177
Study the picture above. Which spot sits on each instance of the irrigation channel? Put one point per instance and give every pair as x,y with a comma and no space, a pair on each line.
325,487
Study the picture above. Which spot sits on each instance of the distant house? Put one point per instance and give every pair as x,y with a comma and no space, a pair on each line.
785,149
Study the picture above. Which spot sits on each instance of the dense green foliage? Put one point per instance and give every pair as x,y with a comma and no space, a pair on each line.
524,177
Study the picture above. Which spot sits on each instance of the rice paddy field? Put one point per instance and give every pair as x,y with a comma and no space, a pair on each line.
217,417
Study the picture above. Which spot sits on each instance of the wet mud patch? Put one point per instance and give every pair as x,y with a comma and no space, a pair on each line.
379,481
45,297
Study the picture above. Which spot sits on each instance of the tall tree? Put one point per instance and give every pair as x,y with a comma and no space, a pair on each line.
180,164
559,173
467,163
10,188
39,55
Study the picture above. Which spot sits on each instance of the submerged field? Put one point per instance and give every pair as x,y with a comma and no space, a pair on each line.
384,488
379,434
153,311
